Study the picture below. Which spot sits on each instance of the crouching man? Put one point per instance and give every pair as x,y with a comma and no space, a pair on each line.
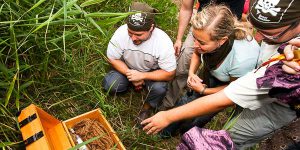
141,55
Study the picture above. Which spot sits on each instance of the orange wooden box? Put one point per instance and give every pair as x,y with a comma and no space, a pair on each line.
55,133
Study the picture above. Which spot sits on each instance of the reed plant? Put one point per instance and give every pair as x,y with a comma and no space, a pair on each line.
52,54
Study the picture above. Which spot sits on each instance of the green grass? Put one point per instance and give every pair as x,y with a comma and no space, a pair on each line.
52,54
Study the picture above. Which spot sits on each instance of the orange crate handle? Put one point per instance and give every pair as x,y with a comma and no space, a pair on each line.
27,120
33,138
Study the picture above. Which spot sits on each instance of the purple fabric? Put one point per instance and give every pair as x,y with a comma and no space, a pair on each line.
205,139
285,87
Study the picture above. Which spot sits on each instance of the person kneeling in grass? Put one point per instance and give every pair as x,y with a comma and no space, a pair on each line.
141,55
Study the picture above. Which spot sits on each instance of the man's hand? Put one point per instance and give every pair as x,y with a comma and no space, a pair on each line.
138,85
177,47
134,75
156,123
291,67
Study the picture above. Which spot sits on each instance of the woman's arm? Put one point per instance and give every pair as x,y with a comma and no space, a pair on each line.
197,86
195,63
185,14
213,90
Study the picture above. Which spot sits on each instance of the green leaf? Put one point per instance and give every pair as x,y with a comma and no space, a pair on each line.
4,70
11,87
4,84
57,14
36,5
67,35
90,2
4,144
91,20
86,142
3,41
1,8
105,14
110,21
25,85
73,12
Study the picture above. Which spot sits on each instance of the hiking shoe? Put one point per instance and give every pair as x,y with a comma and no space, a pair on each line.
144,114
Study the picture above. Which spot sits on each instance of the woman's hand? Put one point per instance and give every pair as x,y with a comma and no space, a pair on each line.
197,87
193,78
156,123
195,83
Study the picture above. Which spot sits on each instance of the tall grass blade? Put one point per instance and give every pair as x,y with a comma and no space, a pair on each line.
111,21
62,101
25,85
36,5
86,142
5,144
91,20
64,39
106,14
57,14
90,2
11,87
231,120
4,70
1,8
4,84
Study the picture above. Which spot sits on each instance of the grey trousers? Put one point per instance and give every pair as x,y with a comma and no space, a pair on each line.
115,82
177,87
252,126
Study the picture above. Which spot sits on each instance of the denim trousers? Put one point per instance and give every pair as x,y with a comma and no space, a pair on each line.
115,82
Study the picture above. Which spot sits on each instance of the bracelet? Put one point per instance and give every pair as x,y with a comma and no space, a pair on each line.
202,92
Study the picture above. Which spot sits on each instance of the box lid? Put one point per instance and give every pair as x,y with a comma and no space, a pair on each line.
54,135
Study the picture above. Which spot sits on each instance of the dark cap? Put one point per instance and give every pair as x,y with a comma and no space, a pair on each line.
272,14
143,19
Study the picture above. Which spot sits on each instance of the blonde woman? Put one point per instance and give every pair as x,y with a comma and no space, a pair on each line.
225,50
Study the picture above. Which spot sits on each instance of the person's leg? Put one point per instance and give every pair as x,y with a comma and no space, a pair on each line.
157,91
171,130
115,82
200,121
252,126
176,87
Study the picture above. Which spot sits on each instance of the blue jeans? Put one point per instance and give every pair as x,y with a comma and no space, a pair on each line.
115,82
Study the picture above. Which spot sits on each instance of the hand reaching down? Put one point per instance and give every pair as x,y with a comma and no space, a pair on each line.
156,123
177,47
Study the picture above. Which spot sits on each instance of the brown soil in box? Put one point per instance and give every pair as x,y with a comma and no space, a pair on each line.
90,128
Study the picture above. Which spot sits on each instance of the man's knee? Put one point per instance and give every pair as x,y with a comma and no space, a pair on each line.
115,82
252,126
158,88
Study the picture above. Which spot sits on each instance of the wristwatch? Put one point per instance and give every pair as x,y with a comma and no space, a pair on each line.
202,91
